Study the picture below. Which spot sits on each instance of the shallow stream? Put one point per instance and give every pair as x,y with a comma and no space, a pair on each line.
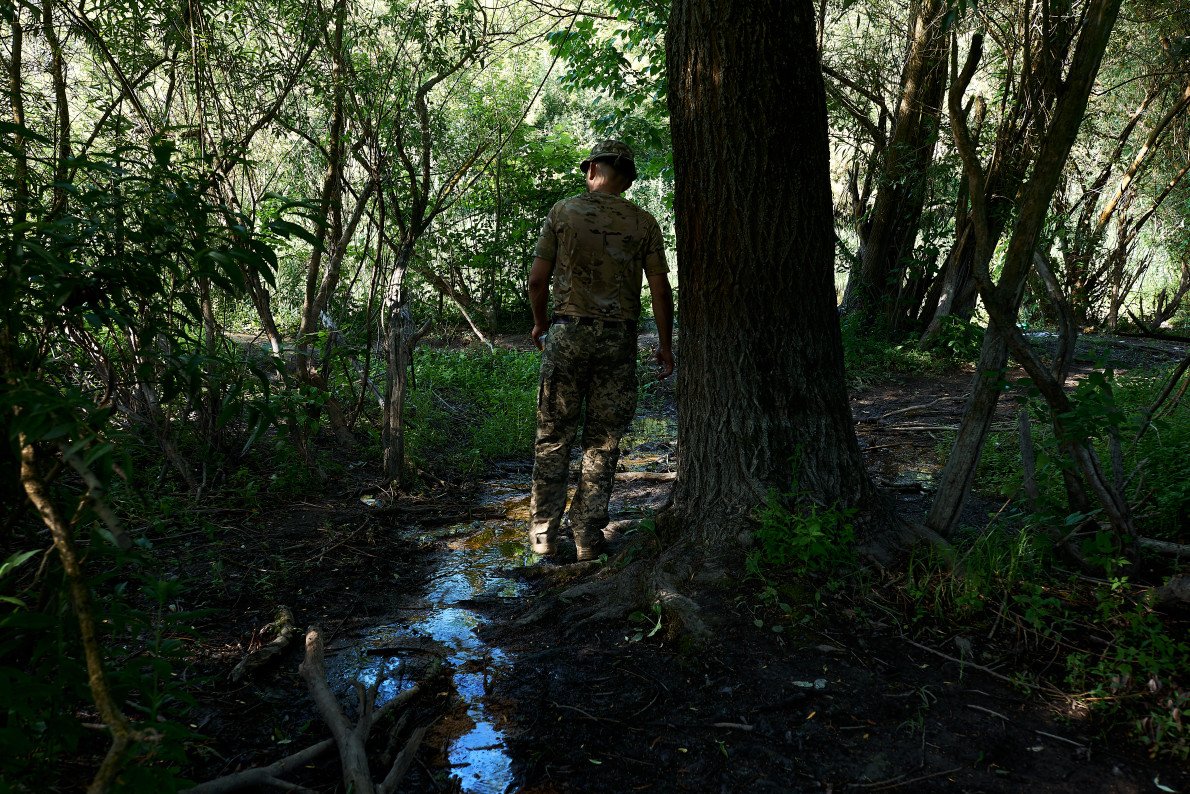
477,566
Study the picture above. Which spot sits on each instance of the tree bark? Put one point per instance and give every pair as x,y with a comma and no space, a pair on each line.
398,330
763,402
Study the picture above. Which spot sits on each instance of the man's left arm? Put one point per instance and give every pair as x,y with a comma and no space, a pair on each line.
663,311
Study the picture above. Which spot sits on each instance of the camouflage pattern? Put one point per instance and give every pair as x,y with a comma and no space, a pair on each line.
601,245
595,364
616,153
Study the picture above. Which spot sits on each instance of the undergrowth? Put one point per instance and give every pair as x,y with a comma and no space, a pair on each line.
872,357
1156,468
1108,652
803,554
1116,658
471,407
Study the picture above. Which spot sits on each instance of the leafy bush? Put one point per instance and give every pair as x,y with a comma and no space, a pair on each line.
959,339
870,357
1140,673
800,539
43,684
103,345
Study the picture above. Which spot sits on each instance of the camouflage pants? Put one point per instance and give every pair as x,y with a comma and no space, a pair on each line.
595,366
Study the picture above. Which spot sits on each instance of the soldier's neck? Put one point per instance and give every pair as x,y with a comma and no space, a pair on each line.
605,188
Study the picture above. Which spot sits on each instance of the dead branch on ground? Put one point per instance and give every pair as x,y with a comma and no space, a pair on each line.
313,669
357,773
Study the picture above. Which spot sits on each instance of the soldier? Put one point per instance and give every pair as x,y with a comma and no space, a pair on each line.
596,246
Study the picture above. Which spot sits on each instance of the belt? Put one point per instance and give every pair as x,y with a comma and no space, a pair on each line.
567,319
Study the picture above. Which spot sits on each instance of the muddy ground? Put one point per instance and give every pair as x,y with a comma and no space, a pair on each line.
858,697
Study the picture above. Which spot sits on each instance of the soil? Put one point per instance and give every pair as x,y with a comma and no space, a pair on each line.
859,696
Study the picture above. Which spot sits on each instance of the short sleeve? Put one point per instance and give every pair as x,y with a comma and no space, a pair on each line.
547,241
655,252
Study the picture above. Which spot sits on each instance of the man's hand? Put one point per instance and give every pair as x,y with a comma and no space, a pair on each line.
665,362
539,295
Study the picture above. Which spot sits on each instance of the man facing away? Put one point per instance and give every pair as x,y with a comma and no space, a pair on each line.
595,247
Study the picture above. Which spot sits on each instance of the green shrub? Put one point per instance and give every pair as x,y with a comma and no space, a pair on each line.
43,682
1139,675
871,357
959,339
802,539
1156,468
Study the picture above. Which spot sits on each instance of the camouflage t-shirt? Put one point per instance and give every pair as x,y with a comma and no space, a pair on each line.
600,245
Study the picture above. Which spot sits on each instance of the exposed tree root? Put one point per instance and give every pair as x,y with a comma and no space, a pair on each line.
348,738
884,537
612,595
673,577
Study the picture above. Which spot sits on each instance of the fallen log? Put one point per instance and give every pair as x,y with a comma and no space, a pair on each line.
1174,594
646,476
1164,547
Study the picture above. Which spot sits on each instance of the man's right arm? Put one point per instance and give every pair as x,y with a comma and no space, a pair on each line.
539,296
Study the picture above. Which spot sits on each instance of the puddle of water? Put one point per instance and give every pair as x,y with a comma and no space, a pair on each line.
475,565
645,462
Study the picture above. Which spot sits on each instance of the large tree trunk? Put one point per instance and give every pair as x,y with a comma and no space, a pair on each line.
762,396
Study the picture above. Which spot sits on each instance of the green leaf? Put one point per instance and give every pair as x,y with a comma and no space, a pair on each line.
16,561
289,229
9,128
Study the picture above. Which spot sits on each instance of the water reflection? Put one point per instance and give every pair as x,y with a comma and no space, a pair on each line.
472,569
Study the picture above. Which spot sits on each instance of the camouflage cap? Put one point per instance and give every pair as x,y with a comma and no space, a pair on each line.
615,152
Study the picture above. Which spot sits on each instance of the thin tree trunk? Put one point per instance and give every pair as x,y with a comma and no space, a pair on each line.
903,179
331,202
61,109
20,198
398,330
122,734
1004,298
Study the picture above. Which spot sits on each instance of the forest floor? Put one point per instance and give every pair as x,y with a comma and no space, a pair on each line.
856,695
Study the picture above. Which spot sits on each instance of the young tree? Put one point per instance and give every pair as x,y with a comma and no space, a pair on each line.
895,216
1003,298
